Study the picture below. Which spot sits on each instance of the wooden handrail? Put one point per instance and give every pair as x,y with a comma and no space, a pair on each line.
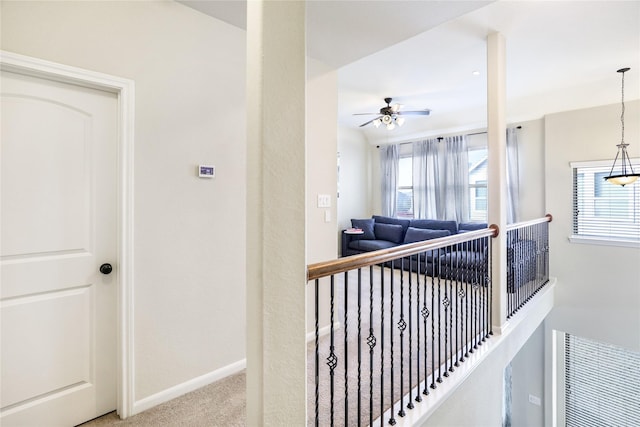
328,268
523,224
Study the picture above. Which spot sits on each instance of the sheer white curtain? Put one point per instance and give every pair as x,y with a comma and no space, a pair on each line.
455,200
441,179
389,176
426,179
513,176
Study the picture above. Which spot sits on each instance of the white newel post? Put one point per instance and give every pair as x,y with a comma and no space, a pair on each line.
276,259
497,171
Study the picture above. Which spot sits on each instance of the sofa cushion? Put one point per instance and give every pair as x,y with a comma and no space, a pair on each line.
420,234
390,232
389,220
366,225
435,224
370,245
464,227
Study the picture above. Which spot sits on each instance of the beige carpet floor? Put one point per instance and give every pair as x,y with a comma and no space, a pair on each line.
222,403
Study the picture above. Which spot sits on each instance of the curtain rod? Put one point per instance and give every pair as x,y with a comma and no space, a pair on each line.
481,133
440,138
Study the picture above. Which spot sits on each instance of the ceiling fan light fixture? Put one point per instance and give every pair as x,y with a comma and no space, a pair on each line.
391,126
387,119
400,121
626,174
377,122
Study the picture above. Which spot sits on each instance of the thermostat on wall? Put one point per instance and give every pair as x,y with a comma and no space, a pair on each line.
206,171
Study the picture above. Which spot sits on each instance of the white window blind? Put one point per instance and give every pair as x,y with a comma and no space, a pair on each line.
602,384
602,210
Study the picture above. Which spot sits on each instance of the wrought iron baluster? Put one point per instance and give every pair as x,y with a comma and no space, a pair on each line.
402,325
425,315
317,352
346,347
332,360
418,398
392,420
382,340
359,393
433,315
371,341
410,402
446,303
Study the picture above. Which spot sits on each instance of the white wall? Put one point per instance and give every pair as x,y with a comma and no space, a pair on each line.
322,176
531,165
189,283
528,378
598,295
354,181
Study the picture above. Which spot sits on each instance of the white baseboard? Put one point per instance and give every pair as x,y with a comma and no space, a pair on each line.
322,331
186,387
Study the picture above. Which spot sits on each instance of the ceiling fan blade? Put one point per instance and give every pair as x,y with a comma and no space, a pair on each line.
370,121
414,113
364,114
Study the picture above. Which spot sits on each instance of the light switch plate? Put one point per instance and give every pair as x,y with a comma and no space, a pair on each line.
324,200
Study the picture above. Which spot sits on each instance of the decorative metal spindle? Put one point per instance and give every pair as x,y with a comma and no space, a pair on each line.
425,315
490,258
332,360
463,309
371,341
452,300
382,340
317,351
445,304
358,400
402,325
437,264
439,330
483,294
418,398
457,297
346,352
474,297
410,402
392,420
469,318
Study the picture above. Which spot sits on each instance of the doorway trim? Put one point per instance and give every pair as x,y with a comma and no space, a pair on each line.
125,91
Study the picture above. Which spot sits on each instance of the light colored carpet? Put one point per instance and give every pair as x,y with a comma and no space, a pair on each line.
222,403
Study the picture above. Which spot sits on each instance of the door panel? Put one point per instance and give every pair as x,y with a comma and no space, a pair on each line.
58,201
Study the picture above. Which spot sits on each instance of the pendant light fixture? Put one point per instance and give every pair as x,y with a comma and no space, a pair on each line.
624,174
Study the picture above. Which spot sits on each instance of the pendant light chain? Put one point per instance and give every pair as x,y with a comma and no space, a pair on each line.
622,115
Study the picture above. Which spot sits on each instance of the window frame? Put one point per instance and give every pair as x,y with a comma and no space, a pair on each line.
575,237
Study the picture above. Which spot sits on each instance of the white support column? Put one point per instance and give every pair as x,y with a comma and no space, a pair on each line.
276,259
497,171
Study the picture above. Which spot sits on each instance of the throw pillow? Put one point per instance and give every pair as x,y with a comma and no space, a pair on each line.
366,225
388,232
419,234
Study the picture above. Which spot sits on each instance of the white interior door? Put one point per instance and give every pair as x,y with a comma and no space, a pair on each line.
58,209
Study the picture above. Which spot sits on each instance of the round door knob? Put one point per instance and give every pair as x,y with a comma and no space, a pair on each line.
106,268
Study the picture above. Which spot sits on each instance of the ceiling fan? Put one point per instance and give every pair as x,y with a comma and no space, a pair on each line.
390,116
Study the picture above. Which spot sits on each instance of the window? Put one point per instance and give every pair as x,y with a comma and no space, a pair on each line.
604,212
601,384
404,197
478,184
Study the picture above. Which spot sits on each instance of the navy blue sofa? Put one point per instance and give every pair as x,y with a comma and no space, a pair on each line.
382,232
463,261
